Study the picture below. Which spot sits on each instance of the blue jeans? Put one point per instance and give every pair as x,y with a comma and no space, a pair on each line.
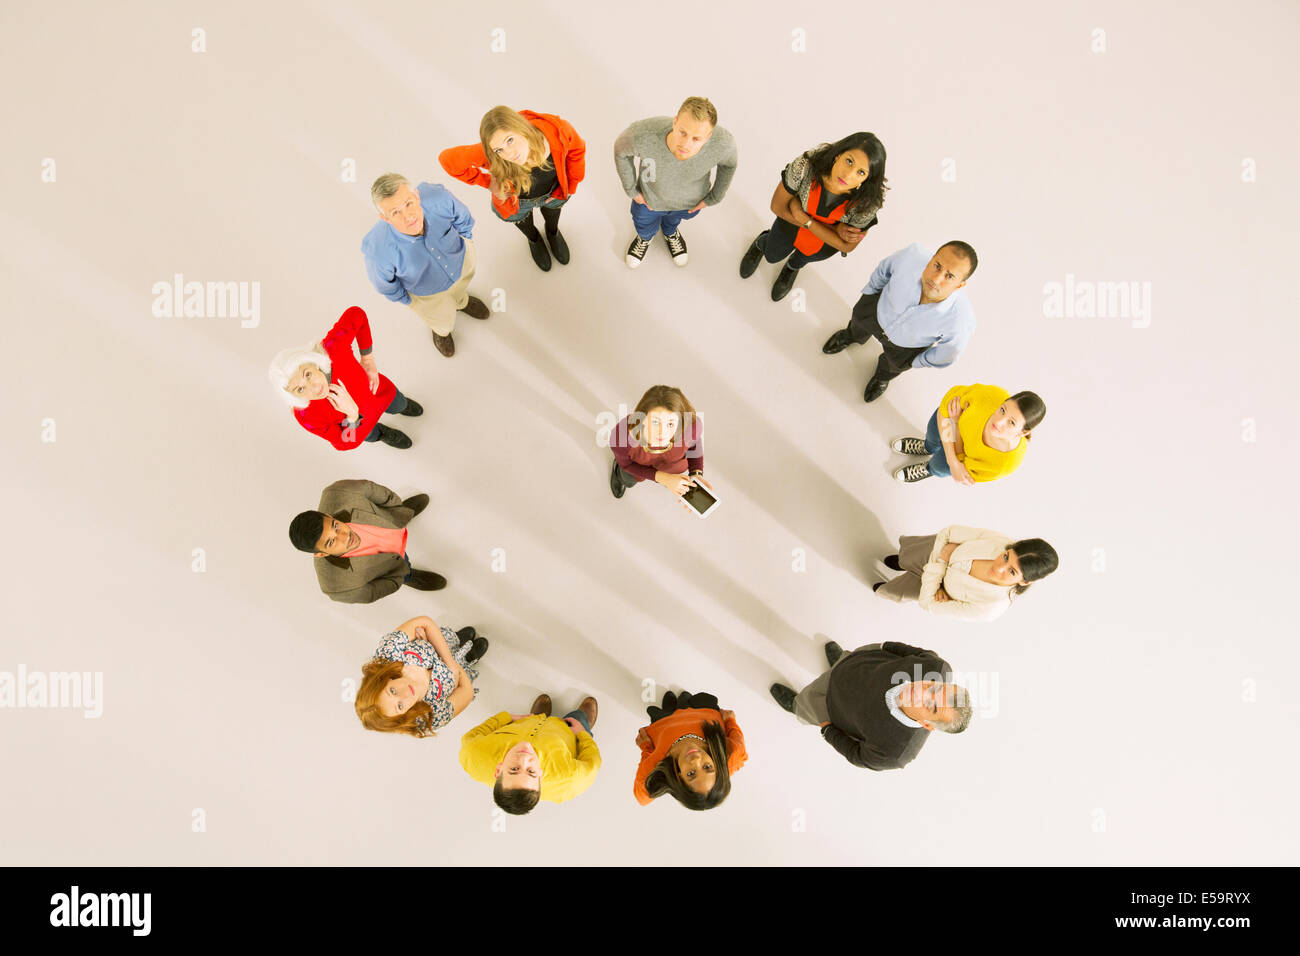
526,207
409,569
581,718
395,407
938,460
666,221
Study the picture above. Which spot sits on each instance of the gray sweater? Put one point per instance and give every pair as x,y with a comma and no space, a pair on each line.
664,181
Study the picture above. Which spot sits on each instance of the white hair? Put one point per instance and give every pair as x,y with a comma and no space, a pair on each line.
285,366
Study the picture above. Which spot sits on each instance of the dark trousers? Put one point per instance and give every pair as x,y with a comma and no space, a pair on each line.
675,702
894,359
778,242
395,407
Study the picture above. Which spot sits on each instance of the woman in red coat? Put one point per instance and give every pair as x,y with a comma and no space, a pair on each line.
527,160
337,396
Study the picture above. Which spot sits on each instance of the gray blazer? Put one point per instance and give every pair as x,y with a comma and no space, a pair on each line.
371,576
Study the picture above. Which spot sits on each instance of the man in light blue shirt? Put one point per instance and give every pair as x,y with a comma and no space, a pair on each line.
914,305
422,254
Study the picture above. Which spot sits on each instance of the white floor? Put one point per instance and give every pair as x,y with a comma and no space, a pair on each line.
1137,706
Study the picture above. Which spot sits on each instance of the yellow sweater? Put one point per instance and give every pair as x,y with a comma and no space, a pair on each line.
983,463
569,763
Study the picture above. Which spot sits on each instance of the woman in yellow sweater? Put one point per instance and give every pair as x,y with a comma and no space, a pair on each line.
978,433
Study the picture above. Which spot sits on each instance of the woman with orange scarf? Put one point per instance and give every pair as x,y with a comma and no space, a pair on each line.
826,201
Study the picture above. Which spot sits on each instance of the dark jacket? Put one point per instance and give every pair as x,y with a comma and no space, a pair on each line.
861,727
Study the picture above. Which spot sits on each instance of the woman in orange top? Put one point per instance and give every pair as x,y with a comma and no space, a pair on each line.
526,160
689,751
826,201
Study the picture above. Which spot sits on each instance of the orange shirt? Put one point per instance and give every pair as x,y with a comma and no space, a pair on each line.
665,731
377,540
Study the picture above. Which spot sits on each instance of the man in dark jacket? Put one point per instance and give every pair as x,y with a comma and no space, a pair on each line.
358,537
878,705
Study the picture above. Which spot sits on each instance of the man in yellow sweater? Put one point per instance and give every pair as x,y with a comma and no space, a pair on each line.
533,756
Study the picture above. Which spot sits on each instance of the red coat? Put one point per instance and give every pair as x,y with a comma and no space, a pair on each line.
568,154
322,418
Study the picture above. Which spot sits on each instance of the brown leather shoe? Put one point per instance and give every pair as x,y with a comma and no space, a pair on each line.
588,707
444,344
542,705
475,309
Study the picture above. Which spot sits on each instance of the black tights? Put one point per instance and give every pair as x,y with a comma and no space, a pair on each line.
551,218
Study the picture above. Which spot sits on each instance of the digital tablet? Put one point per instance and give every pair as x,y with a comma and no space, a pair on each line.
701,500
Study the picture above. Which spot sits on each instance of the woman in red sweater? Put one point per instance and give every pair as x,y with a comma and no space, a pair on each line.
689,751
526,160
337,396
660,441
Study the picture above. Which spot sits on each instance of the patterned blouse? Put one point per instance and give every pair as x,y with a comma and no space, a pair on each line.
398,646
798,178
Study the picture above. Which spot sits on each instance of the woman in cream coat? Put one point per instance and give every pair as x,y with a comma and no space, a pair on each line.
968,573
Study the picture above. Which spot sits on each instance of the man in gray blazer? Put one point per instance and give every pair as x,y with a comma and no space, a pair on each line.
358,537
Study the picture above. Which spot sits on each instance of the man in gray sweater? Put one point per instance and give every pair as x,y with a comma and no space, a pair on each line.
677,154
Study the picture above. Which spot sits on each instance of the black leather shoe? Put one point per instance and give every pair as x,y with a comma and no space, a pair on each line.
426,581
391,436
467,633
413,409
875,388
559,248
616,482
877,586
477,650
891,562
416,503
784,283
784,696
540,255
838,342
750,261
833,652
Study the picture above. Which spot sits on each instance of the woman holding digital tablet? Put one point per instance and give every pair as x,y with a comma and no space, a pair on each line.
968,573
688,751
978,433
661,442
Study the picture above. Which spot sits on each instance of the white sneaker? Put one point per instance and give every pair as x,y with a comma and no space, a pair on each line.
636,251
677,246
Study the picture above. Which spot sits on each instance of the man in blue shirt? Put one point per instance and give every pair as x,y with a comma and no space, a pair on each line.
914,305
422,254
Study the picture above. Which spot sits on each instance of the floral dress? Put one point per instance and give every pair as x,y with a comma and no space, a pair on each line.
398,646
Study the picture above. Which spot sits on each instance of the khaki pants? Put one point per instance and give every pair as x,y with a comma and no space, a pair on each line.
913,555
439,310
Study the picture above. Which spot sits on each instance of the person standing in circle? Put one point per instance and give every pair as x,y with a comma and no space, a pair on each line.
689,751
978,433
660,441
826,201
527,161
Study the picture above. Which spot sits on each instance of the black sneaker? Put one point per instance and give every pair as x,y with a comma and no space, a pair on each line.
636,251
477,650
750,260
677,246
784,283
909,446
391,436
784,696
833,652
412,409
911,473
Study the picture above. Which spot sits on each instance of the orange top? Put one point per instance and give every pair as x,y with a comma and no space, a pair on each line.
665,731
376,540
568,153
804,240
